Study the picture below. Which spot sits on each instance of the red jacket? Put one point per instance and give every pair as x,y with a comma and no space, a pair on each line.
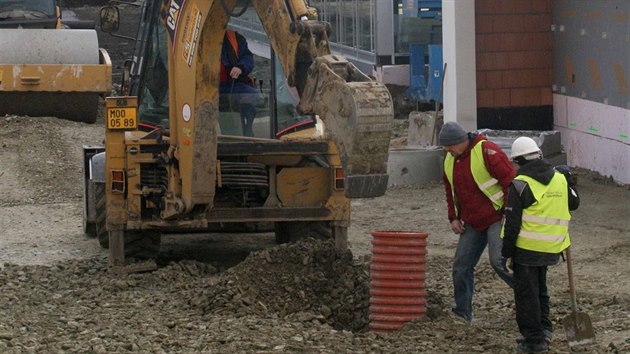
474,207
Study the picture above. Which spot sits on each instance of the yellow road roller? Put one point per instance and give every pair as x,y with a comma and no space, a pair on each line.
47,69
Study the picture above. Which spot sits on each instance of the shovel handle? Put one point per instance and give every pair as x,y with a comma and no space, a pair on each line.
571,282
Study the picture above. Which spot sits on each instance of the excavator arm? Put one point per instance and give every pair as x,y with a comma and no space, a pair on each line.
356,111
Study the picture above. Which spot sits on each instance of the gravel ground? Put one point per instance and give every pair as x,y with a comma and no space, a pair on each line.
306,297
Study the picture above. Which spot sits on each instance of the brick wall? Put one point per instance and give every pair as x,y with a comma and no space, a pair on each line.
514,57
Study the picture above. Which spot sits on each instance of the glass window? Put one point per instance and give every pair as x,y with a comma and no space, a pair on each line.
352,21
365,25
287,100
244,102
153,96
327,11
346,30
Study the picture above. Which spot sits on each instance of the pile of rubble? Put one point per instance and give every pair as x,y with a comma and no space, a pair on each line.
309,280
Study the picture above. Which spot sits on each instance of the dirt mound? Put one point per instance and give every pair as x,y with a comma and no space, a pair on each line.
309,280
303,296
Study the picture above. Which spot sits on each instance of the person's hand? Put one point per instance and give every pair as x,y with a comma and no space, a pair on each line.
507,264
235,72
457,226
571,178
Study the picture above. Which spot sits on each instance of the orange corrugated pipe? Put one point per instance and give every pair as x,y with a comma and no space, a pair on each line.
397,284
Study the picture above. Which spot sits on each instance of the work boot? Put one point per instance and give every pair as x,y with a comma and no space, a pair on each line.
525,347
456,318
547,333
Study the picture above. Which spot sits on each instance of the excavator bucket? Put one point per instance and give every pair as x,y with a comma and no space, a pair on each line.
49,72
358,112
368,135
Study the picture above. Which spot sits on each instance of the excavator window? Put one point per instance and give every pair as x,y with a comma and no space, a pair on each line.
276,112
153,97
286,100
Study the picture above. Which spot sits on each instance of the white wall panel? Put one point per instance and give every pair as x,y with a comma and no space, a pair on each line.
595,136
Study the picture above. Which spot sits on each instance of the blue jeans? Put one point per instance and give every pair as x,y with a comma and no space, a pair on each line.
469,249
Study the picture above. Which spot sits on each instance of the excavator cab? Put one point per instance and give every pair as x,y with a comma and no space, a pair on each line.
276,102
168,165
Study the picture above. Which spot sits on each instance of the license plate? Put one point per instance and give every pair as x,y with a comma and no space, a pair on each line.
121,118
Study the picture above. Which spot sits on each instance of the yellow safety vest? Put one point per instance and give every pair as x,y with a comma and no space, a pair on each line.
545,226
487,184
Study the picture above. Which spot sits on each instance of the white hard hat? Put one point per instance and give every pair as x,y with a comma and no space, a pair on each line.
525,147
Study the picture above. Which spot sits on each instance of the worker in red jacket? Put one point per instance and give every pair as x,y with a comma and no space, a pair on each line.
477,174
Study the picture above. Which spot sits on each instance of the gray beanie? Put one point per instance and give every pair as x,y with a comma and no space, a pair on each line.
452,134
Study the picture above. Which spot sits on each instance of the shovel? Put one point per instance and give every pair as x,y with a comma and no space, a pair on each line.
577,325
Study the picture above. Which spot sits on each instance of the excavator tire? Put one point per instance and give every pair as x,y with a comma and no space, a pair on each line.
138,244
142,244
293,231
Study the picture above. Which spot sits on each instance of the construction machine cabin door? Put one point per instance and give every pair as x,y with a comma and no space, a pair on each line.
284,101
276,106
150,82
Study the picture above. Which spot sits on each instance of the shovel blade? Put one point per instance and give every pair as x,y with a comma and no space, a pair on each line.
578,329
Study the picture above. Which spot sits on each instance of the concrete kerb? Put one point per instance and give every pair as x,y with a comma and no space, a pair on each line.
414,165
420,164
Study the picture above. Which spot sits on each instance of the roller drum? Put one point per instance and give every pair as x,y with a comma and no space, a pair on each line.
44,46
34,47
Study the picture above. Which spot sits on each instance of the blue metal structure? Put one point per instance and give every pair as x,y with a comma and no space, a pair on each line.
425,57
423,9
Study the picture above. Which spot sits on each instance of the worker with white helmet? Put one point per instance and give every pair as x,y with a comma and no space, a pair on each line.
476,177
526,149
535,232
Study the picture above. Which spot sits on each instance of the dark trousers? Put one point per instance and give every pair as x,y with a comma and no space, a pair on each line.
236,96
532,302
248,113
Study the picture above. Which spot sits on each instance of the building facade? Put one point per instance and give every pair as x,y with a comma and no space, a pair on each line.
513,65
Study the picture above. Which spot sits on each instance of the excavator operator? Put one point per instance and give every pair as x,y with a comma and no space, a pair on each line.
238,89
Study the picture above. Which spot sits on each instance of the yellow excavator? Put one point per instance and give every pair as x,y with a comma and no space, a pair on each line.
166,167
48,67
